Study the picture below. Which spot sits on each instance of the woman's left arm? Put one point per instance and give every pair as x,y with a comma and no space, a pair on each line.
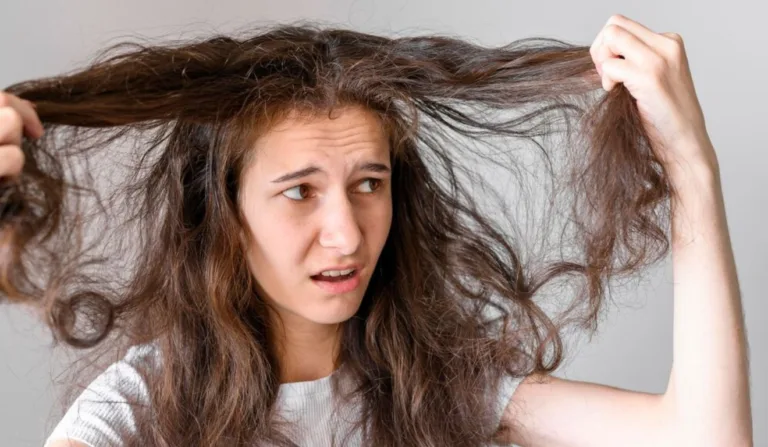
707,400
708,392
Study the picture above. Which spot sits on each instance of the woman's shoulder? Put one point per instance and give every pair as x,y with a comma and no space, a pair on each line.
104,412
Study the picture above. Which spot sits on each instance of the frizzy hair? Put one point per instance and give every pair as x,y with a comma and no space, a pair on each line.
453,305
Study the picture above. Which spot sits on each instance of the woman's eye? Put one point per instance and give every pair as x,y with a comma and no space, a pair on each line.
296,188
376,182
301,192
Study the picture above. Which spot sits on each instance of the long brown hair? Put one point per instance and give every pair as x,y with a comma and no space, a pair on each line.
455,303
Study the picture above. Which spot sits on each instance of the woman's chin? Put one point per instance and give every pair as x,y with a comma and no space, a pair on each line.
335,310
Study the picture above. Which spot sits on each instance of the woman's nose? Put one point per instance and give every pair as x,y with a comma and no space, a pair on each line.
340,229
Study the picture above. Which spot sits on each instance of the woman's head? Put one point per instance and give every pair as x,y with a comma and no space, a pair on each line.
316,196
448,303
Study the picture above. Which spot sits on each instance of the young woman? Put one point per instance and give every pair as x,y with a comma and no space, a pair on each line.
302,275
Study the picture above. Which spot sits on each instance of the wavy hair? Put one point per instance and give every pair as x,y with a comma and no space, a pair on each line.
456,301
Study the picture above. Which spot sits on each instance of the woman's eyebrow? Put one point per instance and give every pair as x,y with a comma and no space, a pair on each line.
313,169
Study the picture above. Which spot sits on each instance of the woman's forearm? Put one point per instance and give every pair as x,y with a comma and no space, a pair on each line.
708,393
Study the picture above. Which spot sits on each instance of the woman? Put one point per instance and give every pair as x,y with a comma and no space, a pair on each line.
303,278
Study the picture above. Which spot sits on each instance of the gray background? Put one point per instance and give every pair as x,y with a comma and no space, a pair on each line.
726,44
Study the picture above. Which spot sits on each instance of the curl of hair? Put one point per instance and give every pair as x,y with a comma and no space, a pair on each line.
455,303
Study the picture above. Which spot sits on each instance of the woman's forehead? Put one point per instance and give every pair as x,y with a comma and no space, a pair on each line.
352,131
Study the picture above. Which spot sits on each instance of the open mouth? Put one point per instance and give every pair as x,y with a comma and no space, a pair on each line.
339,278
338,284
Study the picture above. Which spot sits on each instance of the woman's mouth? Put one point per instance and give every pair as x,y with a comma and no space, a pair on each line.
338,284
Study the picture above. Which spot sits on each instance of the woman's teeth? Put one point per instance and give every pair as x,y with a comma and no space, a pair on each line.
334,273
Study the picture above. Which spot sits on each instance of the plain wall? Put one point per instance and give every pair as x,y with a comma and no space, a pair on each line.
725,45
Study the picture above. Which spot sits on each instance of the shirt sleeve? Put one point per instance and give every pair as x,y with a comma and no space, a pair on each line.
103,414
507,387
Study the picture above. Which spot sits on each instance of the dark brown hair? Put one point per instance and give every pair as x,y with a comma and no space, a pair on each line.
456,301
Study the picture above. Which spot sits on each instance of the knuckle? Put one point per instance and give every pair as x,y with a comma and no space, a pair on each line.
674,46
11,125
612,31
675,37
675,52
616,18
5,100
10,117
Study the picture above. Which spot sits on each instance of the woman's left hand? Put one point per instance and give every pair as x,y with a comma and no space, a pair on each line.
654,68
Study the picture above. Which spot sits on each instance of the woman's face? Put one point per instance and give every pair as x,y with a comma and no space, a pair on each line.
317,196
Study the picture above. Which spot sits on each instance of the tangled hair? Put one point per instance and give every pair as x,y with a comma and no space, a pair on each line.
453,305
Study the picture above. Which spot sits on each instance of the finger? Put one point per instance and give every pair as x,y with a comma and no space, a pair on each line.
616,71
672,46
642,32
11,160
619,43
11,125
30,121
598,50
673,36
32,125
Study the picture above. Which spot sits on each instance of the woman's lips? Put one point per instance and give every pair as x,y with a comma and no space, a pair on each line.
338,286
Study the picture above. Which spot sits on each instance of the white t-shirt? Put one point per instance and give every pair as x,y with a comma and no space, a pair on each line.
97,418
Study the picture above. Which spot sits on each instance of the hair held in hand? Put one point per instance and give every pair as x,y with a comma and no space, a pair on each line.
456,301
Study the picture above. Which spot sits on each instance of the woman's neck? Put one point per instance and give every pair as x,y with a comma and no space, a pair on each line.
306,350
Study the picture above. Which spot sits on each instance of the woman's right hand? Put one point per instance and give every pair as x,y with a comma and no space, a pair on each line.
17,116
